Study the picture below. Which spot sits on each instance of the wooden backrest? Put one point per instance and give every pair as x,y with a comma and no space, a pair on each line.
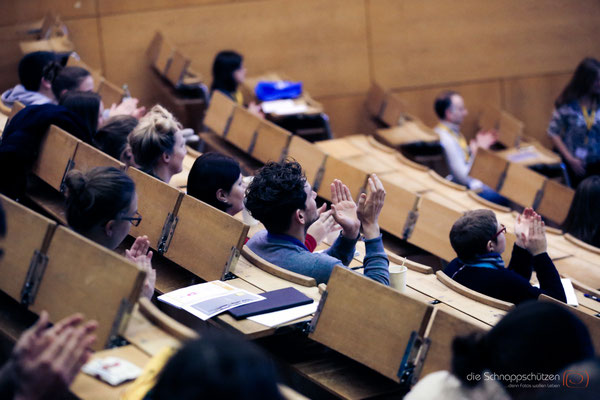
375,100
352,177
27,238
590,321
57,151
157,202
273,269
555,202
339,148
489,119
160,53
489,168
393,109
446,324
409,264
510,130
82,276
242,128
219,112
310,157
431,231
583,245
271,142
179,64
205,241
472,294
110,93
356,306
522,185
398,208
486,203
87,157
154,47
440,179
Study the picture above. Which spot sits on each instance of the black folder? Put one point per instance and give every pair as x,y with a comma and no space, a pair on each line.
275,300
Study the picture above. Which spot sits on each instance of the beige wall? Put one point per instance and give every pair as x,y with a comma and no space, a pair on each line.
511,53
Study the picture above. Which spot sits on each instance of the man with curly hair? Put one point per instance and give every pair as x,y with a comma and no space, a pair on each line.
282,199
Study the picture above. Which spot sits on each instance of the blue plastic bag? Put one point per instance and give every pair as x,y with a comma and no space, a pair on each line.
276,90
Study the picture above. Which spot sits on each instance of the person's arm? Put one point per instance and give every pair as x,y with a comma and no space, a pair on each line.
376,262
342,249
455,157
555,128
547,275
343,209
521,262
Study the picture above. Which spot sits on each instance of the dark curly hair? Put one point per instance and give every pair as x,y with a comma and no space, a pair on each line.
471,232
275,193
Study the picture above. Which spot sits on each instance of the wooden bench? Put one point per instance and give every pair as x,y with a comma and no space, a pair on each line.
472,294
555,201
219,113
489,168
271,142
55,159
275,270
242,129
311,158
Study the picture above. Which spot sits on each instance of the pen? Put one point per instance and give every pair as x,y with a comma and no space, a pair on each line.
589,296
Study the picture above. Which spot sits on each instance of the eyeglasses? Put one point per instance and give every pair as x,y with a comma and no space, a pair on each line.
135,220
502,229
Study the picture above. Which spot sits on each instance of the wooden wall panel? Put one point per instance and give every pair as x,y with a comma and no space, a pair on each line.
107,7
417,43
476,96
84,34
17,11
326,48
532,101
347,115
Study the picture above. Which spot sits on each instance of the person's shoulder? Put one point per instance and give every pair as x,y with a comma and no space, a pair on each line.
452,267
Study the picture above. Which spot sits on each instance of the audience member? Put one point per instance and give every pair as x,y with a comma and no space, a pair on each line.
158,145
45,359
450,109
102,206
88,106
217,366
72,79
36,73
228,73
575,124
111,138
281,198
217,180
479,241
583,220
520,355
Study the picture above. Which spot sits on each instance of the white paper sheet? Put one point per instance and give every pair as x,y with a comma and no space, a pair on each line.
283,107
281,317
569,291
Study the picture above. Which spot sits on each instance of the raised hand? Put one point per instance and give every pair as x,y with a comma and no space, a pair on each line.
139,254
522,224
369,207
344,209
536,239
323,226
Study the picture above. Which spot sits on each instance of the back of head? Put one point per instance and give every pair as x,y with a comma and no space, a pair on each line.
211,172
471,232
111,138
153,136
536,337
217,366
86,105
31,68
275,193
580,85
97,196
442,103
68,79
584,214
226,62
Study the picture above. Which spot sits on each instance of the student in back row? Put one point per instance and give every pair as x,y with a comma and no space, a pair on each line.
282,199
479,241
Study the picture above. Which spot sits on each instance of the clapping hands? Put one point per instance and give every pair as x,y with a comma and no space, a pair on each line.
139,254
530,232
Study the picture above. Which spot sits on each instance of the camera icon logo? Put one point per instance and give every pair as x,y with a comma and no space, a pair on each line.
576,379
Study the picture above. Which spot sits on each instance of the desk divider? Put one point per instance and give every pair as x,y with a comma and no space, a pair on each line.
219,113
242,129
489,168
55,159
271,142
310,157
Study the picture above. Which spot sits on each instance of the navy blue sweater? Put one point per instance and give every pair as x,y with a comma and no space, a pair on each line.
511,284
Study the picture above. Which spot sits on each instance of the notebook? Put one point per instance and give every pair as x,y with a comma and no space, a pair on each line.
275,300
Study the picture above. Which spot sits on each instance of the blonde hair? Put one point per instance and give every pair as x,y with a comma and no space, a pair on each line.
153,136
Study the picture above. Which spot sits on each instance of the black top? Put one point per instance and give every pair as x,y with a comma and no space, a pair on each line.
511,284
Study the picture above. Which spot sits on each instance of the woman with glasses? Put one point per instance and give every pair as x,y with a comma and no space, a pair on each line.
102,206
479,240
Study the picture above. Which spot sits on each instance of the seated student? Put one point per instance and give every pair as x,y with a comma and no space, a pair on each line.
78,115
45,358
228,73
281,198
217,366
479,240
158,145
216,179
111,138
36,73
450,109
584,214
102,206
520,355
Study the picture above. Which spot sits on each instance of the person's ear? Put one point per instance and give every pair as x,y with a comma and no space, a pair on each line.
109,228
46,83
166,157
491,246
300,217
222,195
